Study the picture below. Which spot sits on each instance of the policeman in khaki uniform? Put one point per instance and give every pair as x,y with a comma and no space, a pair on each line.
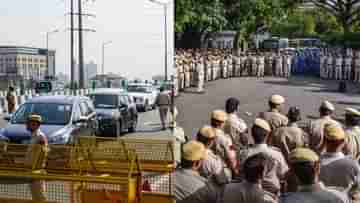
200,76
322,65
187,73
274,116
236,127
357,68
347,67
223,146
212,166
352,131
338,67
333,160
261,66
278,65
189,186
290,137
305,164
250,189
38,139
276,167
163,101
329,67
316,129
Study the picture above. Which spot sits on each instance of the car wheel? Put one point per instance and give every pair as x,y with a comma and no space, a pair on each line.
133,127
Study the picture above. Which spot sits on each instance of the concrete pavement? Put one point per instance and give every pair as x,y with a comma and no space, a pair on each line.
304,92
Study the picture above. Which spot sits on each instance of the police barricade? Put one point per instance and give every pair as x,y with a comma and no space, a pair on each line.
68,174
156,158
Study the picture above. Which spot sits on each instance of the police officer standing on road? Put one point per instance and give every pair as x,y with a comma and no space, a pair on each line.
333,160
322,65
189,186
306,166
212,166
290,137
11,100
338,67
274,116
200,75
38,142
163,101
278,65
276,167
330,68
347,67
357,67
250,189
223,146
261,66
236,127
316,129
352,131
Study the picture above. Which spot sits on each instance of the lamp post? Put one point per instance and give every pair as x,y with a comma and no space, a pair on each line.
103,56
47,49
165,5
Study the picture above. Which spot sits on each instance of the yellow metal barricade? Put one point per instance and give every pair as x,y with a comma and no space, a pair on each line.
69,174
157,163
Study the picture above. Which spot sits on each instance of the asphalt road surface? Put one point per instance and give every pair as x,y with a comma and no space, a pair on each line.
307,93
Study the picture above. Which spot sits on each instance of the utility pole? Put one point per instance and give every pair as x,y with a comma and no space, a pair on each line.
81,50
72,86
166,41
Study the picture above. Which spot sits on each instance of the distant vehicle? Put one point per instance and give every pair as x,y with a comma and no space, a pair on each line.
46,86
144,95
115,110
275,43
65,118
305,42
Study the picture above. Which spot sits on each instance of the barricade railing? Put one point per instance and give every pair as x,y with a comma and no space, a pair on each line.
71,174
156,159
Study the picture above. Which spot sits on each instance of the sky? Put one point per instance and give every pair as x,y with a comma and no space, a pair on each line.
134,27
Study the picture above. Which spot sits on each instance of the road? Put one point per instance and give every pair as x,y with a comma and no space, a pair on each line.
304,92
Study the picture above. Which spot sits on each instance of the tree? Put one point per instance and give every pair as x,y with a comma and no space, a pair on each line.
195,18
347,12
248,17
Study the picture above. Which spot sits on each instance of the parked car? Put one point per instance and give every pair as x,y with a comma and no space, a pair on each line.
64,119
116,112
144,95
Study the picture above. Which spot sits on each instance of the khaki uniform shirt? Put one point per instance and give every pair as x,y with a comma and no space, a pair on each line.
277,166
222,146
316,193
316,134
212,165
275,119
236,128
338,170
288,138
189,186
245,192
353,141
163,99
37,139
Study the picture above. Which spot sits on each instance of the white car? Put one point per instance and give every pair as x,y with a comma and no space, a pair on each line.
143,94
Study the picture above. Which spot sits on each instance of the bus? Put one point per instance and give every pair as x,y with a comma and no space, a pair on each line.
275,43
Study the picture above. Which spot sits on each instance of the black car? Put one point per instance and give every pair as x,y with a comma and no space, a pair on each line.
64,119
115,111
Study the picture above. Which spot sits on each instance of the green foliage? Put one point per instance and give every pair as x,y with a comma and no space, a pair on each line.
199,15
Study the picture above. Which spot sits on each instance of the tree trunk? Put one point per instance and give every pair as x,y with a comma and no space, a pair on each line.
236,42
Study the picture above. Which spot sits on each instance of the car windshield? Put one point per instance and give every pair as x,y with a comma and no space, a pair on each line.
52,114
138,88
105,101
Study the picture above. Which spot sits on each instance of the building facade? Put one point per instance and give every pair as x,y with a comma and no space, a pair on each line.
26,63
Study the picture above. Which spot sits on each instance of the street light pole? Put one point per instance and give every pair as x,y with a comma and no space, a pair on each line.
103,56
166,41
165,5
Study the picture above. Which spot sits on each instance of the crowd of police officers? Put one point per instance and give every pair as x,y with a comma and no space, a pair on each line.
274,159
196,66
